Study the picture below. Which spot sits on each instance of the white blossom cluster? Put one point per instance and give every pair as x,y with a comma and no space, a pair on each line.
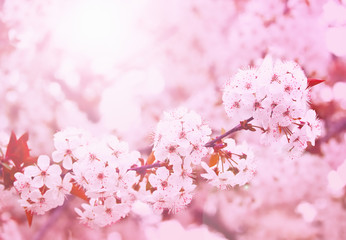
98,167
101,169
235,165
179,144
276,95
41,186
111,178
180,138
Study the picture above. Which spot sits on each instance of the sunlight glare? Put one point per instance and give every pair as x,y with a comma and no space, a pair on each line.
96,28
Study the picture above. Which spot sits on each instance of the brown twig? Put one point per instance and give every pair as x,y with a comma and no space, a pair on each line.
142,169
334,129
214,222
51,221
243,125
233,130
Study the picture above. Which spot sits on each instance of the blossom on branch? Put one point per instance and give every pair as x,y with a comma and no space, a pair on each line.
179,143
181,136
101,170
231,166
276,96
66,142
43,173
41,187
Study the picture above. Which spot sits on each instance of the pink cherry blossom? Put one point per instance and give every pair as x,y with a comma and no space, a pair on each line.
181,134
66,142
277,104
43,173
23,185
238,168
62,189
39,203
159,179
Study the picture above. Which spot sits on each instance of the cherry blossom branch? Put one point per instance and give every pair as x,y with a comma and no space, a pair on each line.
51,221
243,125
214,222
333,129
239,127
142,169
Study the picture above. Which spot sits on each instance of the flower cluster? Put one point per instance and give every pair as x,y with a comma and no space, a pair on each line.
171,190
180,138
100,168
41,187
179,145
66,143
231,166
276,96
111,178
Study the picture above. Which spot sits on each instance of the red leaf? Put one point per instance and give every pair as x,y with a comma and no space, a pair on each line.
312,82
11,146
17,153
24,137
30,161
29,216
151,158
6,174
22,150
18,150
78,191
9,177
214,159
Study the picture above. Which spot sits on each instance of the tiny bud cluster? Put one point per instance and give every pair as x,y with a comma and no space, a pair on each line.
276,96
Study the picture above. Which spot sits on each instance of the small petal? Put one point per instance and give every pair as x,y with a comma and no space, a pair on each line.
67,163
54,170
32,171
43,162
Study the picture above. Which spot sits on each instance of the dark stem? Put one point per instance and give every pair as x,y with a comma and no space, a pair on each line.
51,221
243,125
215,223
142,169
233,130
333,129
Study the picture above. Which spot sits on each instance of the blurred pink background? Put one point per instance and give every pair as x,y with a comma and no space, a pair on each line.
113,66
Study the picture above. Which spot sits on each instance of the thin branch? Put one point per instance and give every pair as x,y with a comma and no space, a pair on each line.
233,130
214,222
51,221
142,169
333,129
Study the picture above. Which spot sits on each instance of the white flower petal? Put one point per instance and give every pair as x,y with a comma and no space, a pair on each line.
43,162
32,171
